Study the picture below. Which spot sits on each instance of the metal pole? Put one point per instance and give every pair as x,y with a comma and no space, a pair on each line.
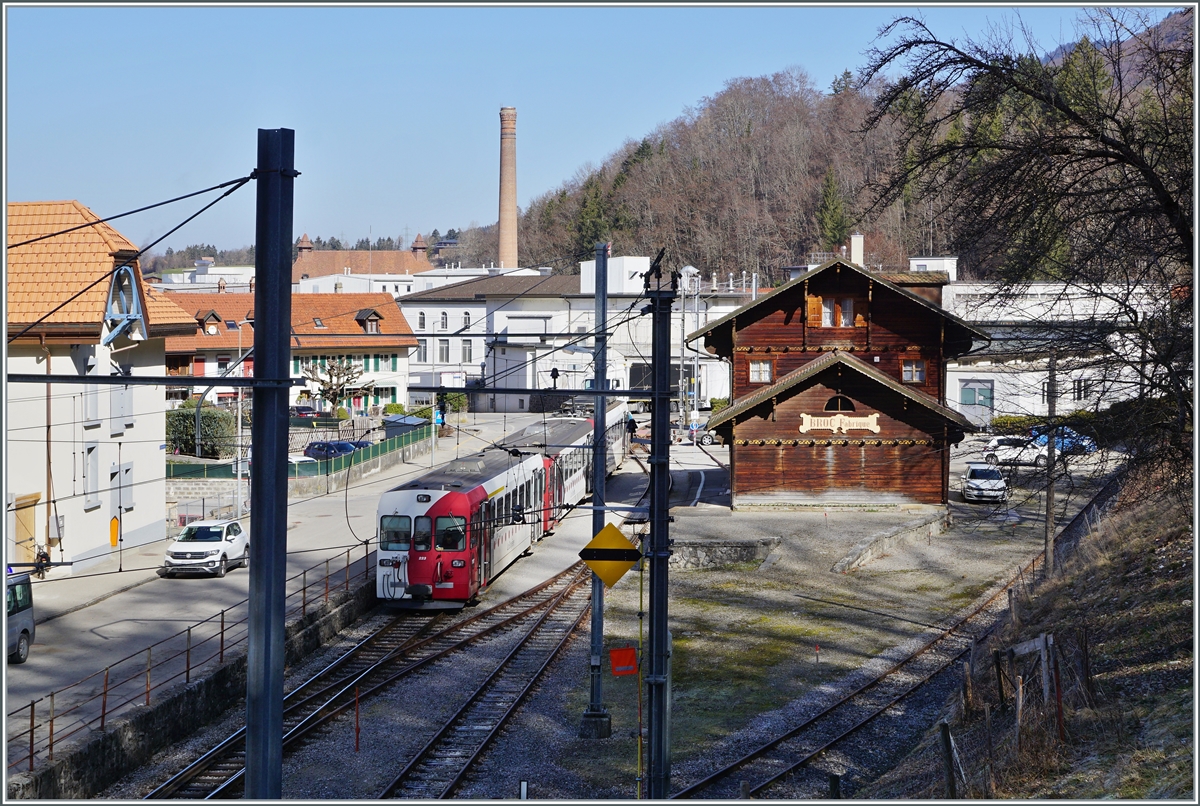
237,481
657,688
1051,399
268,487
597,722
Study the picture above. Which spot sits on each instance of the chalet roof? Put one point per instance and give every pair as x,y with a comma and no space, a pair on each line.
826,361
339,314
324,262
553,285
968,331
45,274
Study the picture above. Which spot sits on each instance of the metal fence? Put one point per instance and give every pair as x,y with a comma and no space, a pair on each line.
323,467
35,730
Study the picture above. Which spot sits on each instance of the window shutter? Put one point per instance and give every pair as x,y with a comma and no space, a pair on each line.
814,311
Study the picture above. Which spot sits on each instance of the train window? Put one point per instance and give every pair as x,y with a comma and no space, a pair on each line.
395,532
451,533
423,533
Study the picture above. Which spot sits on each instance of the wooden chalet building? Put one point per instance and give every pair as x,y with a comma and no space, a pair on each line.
838,382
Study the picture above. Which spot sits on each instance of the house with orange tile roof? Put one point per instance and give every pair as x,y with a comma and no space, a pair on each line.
86,462
312,262
367,329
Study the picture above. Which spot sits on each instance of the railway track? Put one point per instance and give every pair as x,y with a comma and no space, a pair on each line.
438,768
778,768
405,645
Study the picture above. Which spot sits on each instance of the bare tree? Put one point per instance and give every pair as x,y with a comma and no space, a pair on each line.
333,379
1075,169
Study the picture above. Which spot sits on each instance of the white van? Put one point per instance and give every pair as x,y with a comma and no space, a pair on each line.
19,624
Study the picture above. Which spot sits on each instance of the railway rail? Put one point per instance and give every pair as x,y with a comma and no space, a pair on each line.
774,765
442,764
403,646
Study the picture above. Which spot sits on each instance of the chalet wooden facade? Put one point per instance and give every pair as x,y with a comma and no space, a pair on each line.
838,384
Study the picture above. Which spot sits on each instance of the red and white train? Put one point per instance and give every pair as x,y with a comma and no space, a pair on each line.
443,537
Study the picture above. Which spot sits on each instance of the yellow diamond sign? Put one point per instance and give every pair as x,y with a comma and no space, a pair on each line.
610,555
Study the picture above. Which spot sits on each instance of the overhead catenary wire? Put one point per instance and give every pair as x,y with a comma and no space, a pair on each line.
237,184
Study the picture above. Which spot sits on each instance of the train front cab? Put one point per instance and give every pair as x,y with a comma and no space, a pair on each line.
431,561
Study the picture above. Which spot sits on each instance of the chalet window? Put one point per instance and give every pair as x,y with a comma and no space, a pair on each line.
839,403
760,372
832,312
914,370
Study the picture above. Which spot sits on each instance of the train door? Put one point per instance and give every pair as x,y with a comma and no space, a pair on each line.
476,538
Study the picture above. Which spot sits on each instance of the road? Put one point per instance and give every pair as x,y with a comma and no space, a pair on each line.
84,640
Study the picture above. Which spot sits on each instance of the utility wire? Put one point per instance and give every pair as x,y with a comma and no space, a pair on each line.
243,180
238,183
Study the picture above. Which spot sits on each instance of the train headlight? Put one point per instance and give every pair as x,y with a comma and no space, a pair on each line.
458,563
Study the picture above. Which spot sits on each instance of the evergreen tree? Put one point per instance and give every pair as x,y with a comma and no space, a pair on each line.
833,224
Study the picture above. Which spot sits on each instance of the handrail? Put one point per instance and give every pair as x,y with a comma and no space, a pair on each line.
36,728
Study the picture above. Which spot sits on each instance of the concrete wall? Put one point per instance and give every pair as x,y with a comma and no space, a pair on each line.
128,742
692,555
877,544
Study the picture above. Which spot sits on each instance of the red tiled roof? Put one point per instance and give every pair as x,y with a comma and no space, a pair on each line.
325,262
338,313
44,274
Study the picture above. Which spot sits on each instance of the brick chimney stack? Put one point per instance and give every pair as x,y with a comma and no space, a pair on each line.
508,187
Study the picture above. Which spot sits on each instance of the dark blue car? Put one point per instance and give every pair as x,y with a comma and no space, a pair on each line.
328,450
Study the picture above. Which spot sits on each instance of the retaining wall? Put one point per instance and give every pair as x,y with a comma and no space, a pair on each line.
692,555
131,740
871,547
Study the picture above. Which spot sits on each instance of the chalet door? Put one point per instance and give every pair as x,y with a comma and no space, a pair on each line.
976,401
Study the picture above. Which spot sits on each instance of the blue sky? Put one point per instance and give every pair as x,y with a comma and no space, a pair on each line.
395,108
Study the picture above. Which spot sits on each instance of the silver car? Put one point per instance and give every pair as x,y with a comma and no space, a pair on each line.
208,547
20,617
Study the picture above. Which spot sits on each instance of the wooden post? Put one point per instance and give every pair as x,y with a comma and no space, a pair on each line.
1012,609
104,699
1043,645
1020,708
967,698
1062,733
148,675
990,783
835,786
948,762
999,679
744,791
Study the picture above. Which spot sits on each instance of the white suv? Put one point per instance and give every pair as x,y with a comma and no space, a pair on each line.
983,482
1014,451
208,547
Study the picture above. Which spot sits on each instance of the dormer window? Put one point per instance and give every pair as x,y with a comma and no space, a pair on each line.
317,323
371,325
369,319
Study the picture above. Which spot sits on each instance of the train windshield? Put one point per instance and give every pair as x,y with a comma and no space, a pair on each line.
451,533
394,532
423,533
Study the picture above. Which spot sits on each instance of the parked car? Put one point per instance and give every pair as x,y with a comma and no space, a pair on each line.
208,547
1014,451
983,482
19,626
328,450
361,443
302,411
301,466
1067,441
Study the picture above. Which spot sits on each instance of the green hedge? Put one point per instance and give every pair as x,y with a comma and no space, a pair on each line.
218,430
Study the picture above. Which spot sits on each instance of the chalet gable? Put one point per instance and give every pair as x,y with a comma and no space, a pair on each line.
841,298
840,361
